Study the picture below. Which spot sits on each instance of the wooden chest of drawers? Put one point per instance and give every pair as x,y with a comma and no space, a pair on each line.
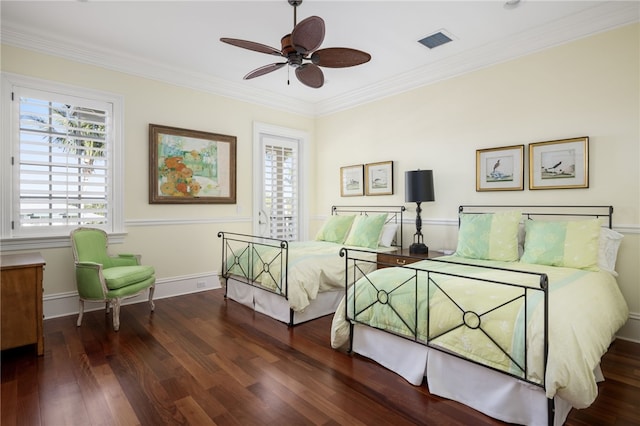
21,300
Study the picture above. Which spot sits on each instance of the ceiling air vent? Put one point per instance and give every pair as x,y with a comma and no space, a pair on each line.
435,39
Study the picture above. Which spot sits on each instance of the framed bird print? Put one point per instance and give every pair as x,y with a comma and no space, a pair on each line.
500,169
378,178
560,164
351,181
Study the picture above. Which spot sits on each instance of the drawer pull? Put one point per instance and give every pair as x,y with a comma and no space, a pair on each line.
401,261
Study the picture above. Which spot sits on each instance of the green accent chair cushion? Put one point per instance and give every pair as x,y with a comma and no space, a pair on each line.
101,277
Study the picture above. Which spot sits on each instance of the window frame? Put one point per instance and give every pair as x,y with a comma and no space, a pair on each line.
9,174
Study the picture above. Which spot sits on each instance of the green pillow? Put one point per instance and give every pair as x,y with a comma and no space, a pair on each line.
490,236
366,230
335,228
573,244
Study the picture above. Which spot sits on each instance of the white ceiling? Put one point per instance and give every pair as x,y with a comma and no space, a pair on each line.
178,41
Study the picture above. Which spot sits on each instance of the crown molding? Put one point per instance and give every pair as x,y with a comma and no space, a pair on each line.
598,19
604,17
73,50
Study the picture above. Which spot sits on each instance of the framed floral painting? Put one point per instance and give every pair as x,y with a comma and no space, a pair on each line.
190,166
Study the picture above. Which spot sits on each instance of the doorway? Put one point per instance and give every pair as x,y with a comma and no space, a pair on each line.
279,182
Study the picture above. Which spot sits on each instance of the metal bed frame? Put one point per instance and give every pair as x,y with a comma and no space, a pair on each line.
236,245
469,319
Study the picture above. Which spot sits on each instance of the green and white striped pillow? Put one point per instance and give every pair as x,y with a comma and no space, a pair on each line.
572,244
490,236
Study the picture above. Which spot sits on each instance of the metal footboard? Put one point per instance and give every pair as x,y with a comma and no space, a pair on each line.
257,261
425,287
263,262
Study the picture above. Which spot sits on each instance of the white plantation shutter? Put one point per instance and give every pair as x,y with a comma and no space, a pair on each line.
62,147
280,188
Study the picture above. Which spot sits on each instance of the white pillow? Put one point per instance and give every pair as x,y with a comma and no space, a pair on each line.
608,246
388,234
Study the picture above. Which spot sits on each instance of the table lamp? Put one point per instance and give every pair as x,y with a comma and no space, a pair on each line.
418,187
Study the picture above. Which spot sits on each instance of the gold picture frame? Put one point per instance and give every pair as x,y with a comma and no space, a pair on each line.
559,164
379,178
500,169
191,166
352,181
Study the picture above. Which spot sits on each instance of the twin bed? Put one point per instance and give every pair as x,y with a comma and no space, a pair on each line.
513,325
295,282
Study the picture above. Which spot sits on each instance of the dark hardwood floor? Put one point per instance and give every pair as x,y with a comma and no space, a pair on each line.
201,360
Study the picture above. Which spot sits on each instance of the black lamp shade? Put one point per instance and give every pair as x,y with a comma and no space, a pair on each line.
418,186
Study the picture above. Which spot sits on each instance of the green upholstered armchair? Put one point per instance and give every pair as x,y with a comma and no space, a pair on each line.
101,277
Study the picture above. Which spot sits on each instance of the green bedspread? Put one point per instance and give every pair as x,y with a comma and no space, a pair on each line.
492,324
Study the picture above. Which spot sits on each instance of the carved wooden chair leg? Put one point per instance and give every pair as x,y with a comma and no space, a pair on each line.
107,306
116,314
151,290
80,313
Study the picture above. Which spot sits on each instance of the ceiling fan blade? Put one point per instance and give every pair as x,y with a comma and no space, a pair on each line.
339,57
251,45
308,35
264,70
310,75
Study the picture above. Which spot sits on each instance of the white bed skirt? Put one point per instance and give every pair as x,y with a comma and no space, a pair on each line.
494,394
277,307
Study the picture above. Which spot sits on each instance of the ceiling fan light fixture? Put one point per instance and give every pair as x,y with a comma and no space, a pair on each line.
300,51
287,47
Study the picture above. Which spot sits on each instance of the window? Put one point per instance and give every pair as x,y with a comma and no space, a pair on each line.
61,145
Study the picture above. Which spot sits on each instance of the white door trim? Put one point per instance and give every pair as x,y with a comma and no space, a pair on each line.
303,138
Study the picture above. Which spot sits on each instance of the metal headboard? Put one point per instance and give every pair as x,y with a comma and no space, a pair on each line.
532,212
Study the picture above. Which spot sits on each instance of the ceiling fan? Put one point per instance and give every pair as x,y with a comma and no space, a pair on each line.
299,50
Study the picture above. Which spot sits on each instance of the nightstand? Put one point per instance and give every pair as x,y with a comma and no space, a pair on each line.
403,257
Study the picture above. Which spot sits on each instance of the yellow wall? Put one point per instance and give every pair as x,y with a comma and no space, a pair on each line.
170,237
589,88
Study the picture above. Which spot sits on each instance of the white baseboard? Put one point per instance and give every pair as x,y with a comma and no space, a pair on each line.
64,304
631,330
